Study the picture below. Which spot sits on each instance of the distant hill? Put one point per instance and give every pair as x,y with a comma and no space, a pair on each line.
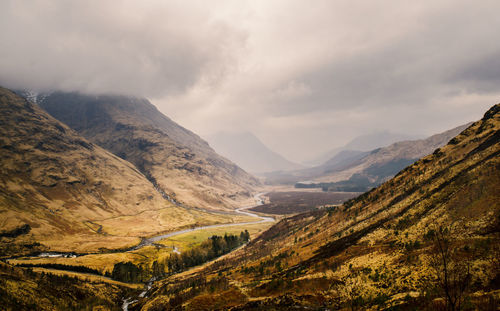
426,239
362,143
175,160
381,164
246,150
58,191
352,170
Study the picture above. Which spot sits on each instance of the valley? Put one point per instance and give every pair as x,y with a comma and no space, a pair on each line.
277,246
249,155
293,202
150,251
373,251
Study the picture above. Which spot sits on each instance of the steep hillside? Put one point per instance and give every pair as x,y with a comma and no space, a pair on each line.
22,289
250,153
177,161
60,192
429,238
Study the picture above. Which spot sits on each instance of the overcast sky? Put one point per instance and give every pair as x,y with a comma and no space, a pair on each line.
304,76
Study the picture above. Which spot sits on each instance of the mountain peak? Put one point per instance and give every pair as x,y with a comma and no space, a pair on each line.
248,151
492,112
174,159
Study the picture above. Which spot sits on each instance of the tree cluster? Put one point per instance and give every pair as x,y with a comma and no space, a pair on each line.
127,272
214,247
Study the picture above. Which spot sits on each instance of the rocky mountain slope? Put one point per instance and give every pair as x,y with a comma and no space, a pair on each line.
60,192
246,150
429,238
175,160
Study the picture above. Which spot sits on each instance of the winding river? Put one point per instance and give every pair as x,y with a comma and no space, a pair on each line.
242,211
150,241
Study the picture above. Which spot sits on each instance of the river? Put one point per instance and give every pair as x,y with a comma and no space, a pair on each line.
243,211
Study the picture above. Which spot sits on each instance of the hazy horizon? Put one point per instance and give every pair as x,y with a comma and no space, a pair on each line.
304,79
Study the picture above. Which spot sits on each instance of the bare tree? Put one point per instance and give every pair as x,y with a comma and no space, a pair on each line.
451,266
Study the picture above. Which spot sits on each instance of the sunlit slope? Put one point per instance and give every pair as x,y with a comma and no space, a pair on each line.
178,161
56,188
375,250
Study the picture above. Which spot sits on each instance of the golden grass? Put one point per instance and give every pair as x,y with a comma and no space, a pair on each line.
89,277
149,223
188,240
101,262
146,255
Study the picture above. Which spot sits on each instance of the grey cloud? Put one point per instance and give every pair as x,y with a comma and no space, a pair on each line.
111,46
445,53
481,75
305,78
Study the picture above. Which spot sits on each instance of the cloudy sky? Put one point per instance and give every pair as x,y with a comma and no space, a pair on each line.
304,76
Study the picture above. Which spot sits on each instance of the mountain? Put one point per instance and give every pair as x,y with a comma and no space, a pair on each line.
427,239
383,163
175,160
358,171
250,153
362,143
60,192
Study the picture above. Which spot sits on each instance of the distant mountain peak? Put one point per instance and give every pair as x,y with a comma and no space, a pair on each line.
248,151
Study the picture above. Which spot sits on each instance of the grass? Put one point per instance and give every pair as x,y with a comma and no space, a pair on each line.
89,277
144,256
292,202
191,239
149,223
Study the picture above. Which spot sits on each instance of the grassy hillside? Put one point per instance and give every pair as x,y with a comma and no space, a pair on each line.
176,160
22,289
429,238
60,192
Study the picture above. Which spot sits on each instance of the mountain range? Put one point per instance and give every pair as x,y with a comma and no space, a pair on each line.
365,143
61,192
353,170
426,238
56,184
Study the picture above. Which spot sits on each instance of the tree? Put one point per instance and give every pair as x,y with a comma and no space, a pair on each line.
126,272
244,236
451,266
